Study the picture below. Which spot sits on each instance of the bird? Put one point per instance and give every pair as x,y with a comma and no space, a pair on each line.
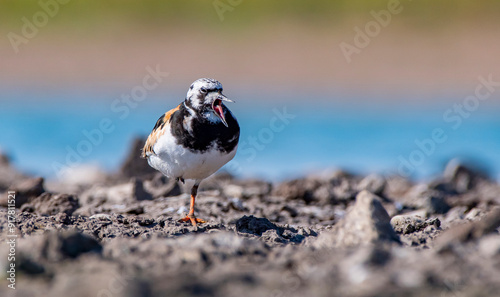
195,139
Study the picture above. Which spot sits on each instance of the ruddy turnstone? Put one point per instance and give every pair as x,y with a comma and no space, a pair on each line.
195,139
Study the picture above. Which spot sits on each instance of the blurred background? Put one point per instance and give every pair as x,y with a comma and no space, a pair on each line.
394,87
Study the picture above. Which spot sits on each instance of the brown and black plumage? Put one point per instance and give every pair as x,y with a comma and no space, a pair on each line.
195,139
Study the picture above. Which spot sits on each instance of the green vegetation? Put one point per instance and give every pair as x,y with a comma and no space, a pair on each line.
91,13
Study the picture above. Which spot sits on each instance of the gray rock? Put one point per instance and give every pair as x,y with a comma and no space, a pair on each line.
468,231
474,214
396,187
58,246
407,224
237,204
161,186
298,189
26,190
119,194
461,177
338,189
272,236
421,196
490,245
8,174
365,223
324,193
253,225
4,160
134,165
436,205
30,267
69,245
138,191
246,189
133,209
344,190
373,183
455,214
362,265
106,279
52,204
101,217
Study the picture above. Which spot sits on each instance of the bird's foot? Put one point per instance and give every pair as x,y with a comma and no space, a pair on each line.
194,220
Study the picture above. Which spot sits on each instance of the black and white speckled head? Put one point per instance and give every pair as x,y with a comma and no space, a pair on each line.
205,96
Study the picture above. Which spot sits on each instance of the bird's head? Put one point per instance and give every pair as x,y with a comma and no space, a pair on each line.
205,95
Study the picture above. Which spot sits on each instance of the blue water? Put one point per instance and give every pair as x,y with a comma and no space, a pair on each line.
39,129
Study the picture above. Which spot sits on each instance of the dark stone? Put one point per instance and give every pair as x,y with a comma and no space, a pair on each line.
436,205
378,256
76,244
292,211
136,209
4,160
58,246
8,176
298,189
462,178
52,204
442,186
27,207
145,221
134,165
30,267
253,225
27,190
64,218
468,232
161,186
138,191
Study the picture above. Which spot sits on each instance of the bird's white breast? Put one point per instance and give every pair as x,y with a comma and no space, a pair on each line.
174,160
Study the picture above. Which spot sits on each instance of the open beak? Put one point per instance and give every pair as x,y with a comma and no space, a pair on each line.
217,107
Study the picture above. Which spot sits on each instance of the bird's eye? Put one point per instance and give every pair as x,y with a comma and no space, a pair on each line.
203,90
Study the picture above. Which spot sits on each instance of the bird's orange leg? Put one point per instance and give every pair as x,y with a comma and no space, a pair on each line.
191,217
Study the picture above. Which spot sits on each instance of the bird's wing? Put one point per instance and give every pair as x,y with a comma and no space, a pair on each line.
158,131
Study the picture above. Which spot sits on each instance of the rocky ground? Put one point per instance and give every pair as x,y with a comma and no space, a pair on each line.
339,235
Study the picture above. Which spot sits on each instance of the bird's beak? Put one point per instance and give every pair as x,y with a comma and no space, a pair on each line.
217,107
224,98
